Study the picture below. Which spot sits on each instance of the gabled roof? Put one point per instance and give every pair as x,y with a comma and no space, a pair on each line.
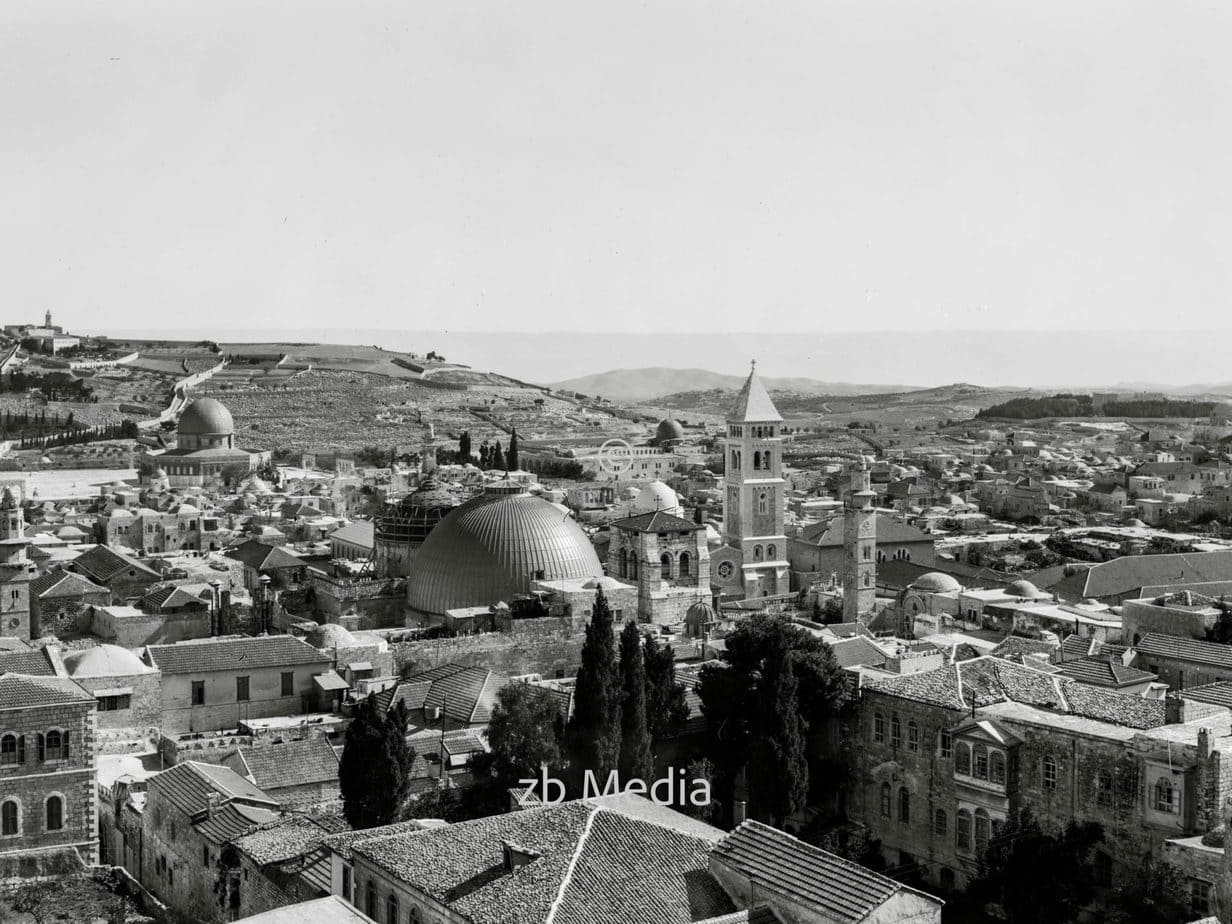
166,598
466,695
33,662
57,584
1129,573
231,820
1185,649
102,564
857,651
18,691
361,533
284,839
658,522
261,557
832,887
1105,672
829,533
233,654
1218,693
753,404
287,763
188,786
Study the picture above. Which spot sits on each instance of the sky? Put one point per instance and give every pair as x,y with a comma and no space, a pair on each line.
667,167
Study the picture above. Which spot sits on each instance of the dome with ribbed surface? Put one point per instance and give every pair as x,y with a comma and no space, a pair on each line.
491,548
205,416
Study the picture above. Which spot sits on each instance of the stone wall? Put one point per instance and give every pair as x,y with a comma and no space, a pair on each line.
145,701
549,646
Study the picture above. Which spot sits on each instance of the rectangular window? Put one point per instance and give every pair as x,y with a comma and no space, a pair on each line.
1050,773
1199,896
288,683
946,744
878,727
198,692
205,856
114,703
346,884
241,689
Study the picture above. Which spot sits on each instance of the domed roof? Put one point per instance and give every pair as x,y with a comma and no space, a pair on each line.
492,547
1022,588
936,583
701,610
669,430
1138,524
104,661
657,496
330,635
205,416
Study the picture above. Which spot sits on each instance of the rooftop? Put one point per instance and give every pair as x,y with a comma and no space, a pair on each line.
233,654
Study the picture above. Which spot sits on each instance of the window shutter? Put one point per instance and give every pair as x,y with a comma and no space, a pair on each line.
41,749
64,745
21,749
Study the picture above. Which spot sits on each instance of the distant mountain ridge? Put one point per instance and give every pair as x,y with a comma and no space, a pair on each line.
634,385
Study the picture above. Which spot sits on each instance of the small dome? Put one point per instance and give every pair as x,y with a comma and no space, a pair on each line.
629,493
330,635
1022,589
657,496
701,611
669,431
206,417
1137,524
104,661
936,583
607,583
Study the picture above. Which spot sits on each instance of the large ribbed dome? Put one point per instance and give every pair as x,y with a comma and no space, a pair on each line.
492,547
206,417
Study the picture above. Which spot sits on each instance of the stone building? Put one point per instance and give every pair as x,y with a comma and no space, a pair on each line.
205,453
127,690
121,574
667,558
47,795
147,531
1183,662
16,570
60,602
819,550
300,773
1184,613
753,559
946,756
859,547
403,526
214,684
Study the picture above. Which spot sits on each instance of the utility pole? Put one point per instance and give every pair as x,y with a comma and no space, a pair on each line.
444,719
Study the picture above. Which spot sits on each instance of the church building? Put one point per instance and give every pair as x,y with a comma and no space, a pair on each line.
16,570
752,562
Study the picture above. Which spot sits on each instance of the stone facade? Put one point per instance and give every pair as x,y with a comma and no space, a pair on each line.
133,702
667,558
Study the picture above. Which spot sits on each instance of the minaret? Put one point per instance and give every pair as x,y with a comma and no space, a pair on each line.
14,570
860,541
47,319
754,498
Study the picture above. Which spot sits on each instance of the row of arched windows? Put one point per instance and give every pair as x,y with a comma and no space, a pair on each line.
11,821
52,746
972,831
392,908
896,731
979,762
904,803
770,553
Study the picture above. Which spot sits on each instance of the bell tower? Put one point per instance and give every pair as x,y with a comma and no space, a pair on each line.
860,542
754,490
15,570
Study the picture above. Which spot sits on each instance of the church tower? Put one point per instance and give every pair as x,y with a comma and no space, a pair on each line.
754,495
15,570
860,542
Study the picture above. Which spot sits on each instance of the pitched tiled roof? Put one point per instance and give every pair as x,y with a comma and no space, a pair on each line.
263,557
829,533
758,914
360,533
848,629
1015,647
21,692
987,680
231,820
1185,649
658,522
828,885
1218,694
467,695
343,843
1129,573
170,597
283,839
328,910
34,662
1105,672
63,584
288,763
410,693
188,786
233,654
102,564
857,650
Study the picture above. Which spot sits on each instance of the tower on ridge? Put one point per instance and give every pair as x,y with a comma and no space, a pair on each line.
860,542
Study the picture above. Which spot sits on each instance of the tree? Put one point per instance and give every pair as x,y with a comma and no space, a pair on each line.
666,708
522,734
511,457
374,773
498,457
778,771
464,447
635,759
593,737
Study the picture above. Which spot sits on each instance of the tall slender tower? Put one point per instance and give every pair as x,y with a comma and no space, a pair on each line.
860,541
15,570
754,498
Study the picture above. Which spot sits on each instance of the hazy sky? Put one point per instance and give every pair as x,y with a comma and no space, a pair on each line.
671,165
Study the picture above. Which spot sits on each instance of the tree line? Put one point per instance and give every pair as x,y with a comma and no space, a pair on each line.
1076,405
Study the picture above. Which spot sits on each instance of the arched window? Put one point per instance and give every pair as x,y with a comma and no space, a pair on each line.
757,553
996,767
771,551
756,460
1049,773
962,758
982,830
8,751
868,552
866,579
633,566
55,746
878,727
55,813
624,562
665,565
765,460
962,830
1103,787
940,823
10,818
1165,796
904,805
885,800
913,736
391,909
896,731
370,900
763,502
686,563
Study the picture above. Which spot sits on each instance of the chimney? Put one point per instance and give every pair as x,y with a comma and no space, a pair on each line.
212,801
739,812
1174,709
515,855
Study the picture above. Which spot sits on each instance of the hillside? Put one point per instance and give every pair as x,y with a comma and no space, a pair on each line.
638,385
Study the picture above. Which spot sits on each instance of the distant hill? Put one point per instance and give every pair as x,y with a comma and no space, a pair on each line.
637,385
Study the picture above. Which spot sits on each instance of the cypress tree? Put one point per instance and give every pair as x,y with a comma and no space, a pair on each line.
374,773
511,457
635,762
666,708
498,457
778,770
464,447
593,735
